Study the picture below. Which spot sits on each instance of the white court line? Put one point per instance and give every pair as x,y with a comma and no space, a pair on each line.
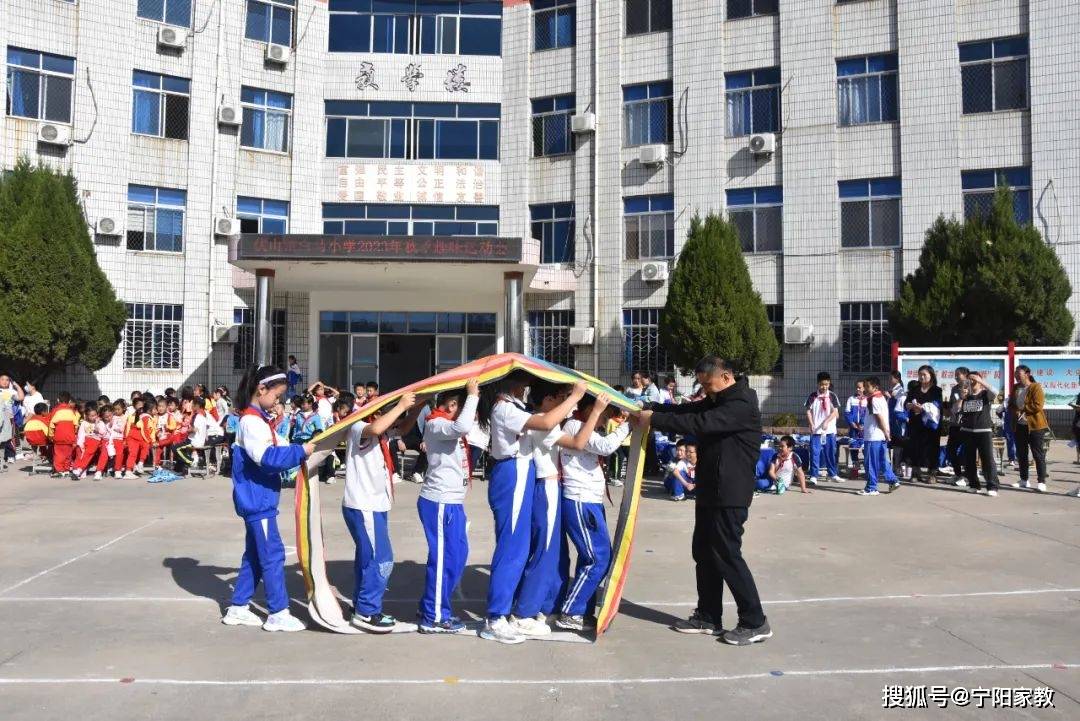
81,555
453,680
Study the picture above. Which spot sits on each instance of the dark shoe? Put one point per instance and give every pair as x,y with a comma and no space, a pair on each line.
743,636
699,622
376,623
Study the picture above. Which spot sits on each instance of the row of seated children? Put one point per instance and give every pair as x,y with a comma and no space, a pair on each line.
679,481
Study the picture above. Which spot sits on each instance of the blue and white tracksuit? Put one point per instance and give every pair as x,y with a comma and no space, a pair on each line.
366,507
442,510
257,464
583,514
875,447
823,442
542,579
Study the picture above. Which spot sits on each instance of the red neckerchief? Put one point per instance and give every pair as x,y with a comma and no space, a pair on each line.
467,465
249,411
825,402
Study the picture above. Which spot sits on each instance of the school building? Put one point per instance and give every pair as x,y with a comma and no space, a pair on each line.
385,188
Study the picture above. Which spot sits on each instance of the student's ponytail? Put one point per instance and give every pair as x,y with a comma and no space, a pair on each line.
256,376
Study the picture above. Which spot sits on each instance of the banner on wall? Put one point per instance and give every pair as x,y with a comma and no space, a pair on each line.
1059,377
991,367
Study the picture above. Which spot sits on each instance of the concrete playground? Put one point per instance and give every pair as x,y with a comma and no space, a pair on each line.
110,594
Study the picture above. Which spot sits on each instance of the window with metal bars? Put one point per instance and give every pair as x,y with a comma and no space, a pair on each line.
155,219
153,336
647,113
649,226
753,101
419,131
549,336
551,125
266,119
757,214
244,350
865,338
553,23
161,105
641,340
553,226
870,213
748,8
270,21
994,75
979,187
259,215
442,27
39,85
866,90
647,16
172,12
775,314
424,220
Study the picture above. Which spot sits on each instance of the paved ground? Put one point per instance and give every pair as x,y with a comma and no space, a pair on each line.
110,597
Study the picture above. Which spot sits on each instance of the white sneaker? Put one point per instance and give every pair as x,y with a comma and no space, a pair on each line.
1021,484
416,478
396,479
945,471
865,492
139,468
992,494
500,630
128,475
97,476
960,482
811,481
283,621
836,479
117,474
240,616
1040,487
531,626
331,481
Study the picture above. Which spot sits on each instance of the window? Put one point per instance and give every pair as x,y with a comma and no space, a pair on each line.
865,338
152,336
549,336
649,223
258,215
173,12
244,350
979,186
866,90
757,214
753,102
266,119
994,75
553,226
155,219
747,8
443,27
775,314
270,21
372,219
432,131
551,125
647,113
553,24
641,341
870,213
161,105
647,16
39,85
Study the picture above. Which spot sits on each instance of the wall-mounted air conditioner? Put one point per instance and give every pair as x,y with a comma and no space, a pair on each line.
170,37
762,144
229,114
798,334
54,134
108,226
582,336
654,271
583,123
653,154
279,54
226,226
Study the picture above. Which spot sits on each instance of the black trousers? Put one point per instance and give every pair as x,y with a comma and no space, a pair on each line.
983,445
1036,441
952,450
717,548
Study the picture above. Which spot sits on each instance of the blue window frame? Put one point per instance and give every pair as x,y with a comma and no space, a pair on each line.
160,105
554,23
641,340
551,125
549,336
425,131
155,219
647,113
649,226
647,16
266,119
994,75
259,215
172,12
748,8
979,187
423,220
553,226
270,21
753,101
866,89
39,85
441,27
870,213
758,216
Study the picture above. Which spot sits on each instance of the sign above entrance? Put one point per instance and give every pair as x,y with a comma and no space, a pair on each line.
415,183
408,248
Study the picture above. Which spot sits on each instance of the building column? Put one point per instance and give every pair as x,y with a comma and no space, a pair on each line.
513,317
264,293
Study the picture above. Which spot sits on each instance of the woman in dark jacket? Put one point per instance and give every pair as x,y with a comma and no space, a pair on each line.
924,412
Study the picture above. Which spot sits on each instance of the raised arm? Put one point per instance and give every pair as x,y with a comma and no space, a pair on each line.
580,439
547,421
384,422
464,422
606,445
734,415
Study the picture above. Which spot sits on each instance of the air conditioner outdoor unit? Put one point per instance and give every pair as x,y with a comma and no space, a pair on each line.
229,114
278,53
653,154
226,226
226,333
581,336
762,143
583,123
798,334
170,37
54,134
107,226
654,272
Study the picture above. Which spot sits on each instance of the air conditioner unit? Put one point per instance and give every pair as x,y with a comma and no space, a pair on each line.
798,334
581,336
226,333
170,37
278,53
108,226
226,226
229,114
654,272
653,154
583,123
762,143
54,134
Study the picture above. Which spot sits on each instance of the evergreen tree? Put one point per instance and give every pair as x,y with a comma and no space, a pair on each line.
57,308
984,282
712,307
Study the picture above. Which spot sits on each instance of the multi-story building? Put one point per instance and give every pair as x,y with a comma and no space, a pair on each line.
415,156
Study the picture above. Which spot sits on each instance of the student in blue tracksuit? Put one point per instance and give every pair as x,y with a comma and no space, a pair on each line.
583,512
876,437
822,410
442,505
511,488
258,460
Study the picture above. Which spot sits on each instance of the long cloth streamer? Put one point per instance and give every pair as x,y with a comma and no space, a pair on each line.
323,602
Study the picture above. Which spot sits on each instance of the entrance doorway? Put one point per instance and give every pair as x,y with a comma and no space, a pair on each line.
404,359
